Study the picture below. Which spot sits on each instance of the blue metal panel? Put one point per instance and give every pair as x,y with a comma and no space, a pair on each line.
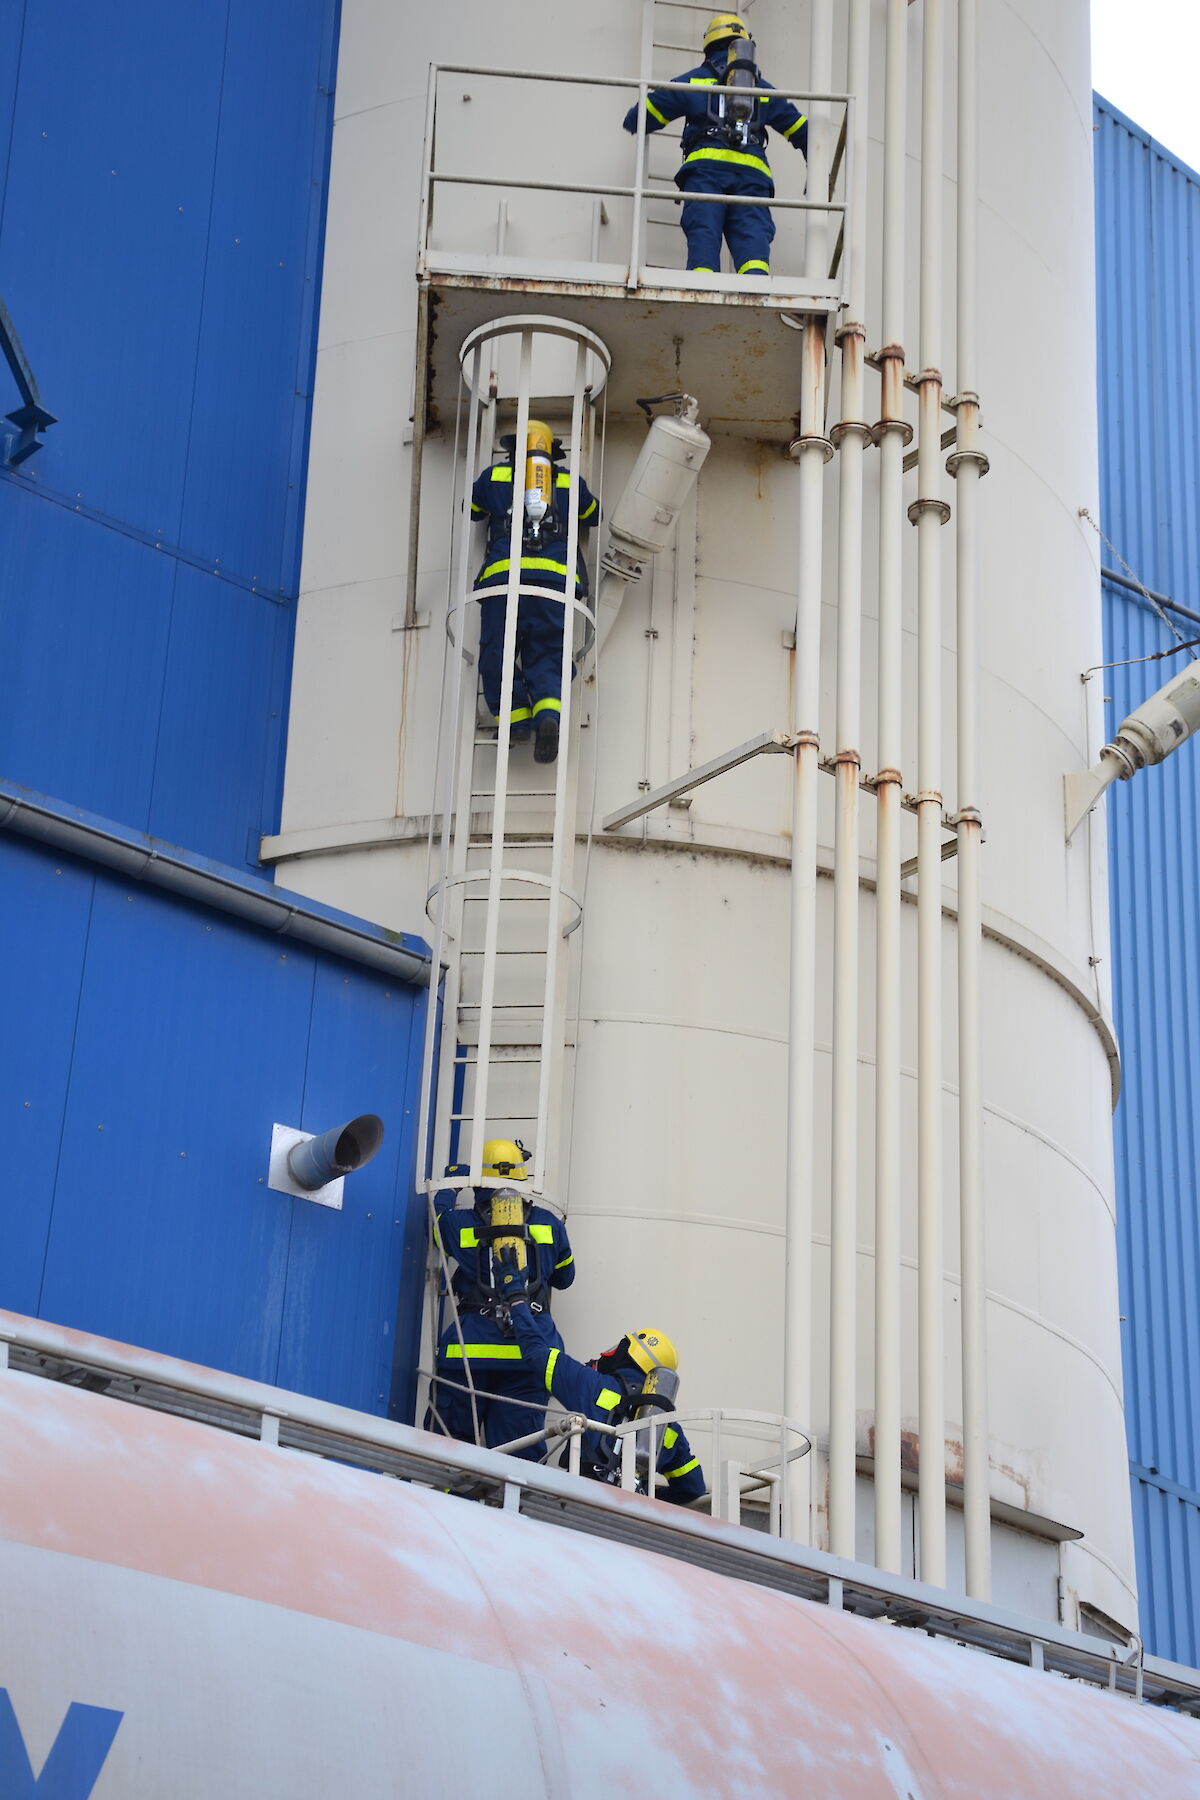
105,238
37,1041
191,1040
221,700
84,621
1148,265
161,213
349,1288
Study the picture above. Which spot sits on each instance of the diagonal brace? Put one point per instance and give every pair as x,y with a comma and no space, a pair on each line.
767,743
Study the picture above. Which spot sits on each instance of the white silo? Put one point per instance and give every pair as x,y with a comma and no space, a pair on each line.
674,1129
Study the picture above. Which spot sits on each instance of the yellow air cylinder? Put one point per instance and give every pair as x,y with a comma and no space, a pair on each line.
539,470
509,1209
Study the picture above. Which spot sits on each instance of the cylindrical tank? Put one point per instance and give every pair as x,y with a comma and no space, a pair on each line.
193,1613
676,1124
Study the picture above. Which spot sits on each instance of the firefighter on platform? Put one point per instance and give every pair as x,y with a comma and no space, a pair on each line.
537,670
635,1379
725,148
481,1372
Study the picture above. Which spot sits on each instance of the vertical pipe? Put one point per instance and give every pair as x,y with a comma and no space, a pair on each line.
929,513
851,435
812,451
893,434
639,167
967,466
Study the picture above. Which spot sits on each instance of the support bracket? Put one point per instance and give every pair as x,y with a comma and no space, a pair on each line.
767,743
31,417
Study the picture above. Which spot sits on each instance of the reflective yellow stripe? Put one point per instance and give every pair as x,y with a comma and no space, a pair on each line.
564,1262
607,1398
802,120
484,1352
561,480
479,512
527,562
518,715
703,269
588,510
468,1238
702,81
550,1362
546,706
683,1469
542,1234
502,472
755,263
651,108
742,158
670,1437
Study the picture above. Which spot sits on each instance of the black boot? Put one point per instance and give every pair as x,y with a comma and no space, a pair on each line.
545,749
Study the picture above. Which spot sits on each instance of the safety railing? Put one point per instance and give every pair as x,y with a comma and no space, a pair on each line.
633,271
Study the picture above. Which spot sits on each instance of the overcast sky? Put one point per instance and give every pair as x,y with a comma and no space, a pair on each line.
1146,60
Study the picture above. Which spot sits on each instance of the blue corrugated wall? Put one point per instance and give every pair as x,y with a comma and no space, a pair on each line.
163,173
1148,268
163,177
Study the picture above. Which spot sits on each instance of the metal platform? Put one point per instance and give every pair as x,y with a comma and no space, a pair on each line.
31,1348
732,340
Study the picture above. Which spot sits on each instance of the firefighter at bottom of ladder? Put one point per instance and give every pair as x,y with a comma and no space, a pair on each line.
633,1380
725,148
537,669
478,1356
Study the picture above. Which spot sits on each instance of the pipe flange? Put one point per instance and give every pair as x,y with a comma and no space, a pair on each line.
961,457
929,506
881,430
852,428
814,441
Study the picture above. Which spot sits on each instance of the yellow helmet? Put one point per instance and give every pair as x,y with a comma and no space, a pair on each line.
652,1349
504,1158
721,27
538,437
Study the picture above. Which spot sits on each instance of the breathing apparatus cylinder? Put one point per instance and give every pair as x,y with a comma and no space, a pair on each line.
735,112
508,1208
539,471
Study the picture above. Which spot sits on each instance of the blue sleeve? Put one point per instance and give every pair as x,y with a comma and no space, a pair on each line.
785,118
444,1202
481,496
563,1273
571,1383
662,105
589,506
685,1477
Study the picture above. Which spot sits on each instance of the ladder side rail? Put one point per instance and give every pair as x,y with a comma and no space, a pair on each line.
427,1128
512,603
551,1047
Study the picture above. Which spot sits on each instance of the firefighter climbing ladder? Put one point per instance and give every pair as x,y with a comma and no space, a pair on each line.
500,902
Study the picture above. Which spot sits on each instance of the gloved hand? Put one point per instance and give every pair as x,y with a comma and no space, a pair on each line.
511,1279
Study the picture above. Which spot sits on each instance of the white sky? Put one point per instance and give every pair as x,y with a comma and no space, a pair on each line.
1145,58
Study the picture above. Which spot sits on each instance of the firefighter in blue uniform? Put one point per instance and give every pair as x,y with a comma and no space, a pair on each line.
482,1336
537,672
725,148
637,1376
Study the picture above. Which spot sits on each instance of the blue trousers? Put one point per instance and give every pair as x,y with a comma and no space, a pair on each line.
506,1381
748,230
537,674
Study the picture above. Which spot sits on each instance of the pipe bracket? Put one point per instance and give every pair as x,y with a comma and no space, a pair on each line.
955,463
929,506
813,441
852,428
901,425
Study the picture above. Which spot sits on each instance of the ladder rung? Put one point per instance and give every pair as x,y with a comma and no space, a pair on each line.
517,1118
514,794
500,1062
542,843
508,899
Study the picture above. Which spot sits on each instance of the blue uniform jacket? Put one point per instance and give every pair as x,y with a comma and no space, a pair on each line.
582,1389
458,1231
492,499
702,145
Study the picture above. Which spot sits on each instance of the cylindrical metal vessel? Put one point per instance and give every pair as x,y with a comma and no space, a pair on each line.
236,1618
676,1109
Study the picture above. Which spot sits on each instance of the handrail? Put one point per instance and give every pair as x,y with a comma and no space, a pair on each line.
642,188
